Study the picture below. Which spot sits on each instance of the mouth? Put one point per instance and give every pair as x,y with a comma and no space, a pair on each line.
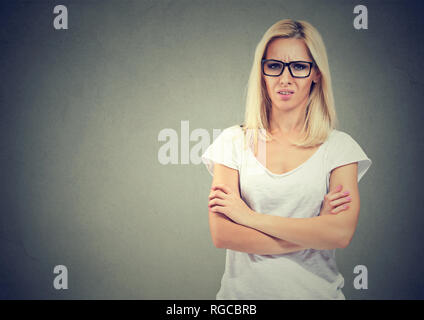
285,93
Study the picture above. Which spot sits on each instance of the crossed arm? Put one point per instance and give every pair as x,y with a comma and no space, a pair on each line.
267,234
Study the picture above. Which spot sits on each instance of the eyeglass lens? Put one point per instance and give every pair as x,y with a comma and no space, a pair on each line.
298,69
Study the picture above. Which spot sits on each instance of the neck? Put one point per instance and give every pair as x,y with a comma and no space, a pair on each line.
287,122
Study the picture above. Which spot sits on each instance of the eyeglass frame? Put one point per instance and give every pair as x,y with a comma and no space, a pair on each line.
311,65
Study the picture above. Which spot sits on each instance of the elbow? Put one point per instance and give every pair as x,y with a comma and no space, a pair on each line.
216,232
343,244
218,241
344,240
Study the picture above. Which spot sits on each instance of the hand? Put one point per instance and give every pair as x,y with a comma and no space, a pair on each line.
334,201
224,200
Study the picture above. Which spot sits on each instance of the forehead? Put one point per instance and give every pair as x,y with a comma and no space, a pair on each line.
287,50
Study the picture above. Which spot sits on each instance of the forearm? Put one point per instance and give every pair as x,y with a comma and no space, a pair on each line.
231,235
321,232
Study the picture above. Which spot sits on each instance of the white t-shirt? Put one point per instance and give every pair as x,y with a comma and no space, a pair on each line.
299,193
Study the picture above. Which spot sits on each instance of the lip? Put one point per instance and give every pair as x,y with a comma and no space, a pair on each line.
292,91
285,96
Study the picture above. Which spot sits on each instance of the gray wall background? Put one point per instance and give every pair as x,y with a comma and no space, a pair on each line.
81,110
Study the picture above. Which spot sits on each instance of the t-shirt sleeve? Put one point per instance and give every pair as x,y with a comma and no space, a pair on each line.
223,150
345,150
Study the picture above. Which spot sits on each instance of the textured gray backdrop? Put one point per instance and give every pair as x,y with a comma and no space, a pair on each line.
81,110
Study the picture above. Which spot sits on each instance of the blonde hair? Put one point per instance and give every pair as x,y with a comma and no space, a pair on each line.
320,115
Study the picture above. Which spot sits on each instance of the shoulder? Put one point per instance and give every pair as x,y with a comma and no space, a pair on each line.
234,129
340,142
338,134
339,138
344,149
234,132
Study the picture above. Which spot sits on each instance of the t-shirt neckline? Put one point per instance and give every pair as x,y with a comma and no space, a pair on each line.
293,170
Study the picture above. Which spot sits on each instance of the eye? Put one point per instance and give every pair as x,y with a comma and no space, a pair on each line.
273,65
299,66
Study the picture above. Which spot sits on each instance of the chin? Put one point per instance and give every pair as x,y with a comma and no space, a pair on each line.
282,105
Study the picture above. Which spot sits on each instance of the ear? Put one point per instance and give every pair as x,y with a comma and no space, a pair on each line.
317,77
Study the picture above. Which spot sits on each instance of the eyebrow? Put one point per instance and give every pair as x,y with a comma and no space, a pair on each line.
301,59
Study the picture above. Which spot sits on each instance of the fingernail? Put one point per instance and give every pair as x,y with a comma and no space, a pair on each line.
349,198
346,192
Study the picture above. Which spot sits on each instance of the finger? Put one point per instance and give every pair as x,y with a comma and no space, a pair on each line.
340,208
333,193
337,189
340,201
338,195
222,187
218,209
342,194
217,194
216,201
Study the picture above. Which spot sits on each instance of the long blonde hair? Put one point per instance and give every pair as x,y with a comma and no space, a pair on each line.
320,115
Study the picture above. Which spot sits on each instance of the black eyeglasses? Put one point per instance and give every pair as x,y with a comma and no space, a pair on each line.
275,68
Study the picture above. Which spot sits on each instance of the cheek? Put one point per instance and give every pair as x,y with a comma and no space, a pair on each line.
270,84
304,88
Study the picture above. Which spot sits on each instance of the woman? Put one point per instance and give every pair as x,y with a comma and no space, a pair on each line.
286,161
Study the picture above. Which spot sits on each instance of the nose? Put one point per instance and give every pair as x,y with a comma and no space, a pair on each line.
286,77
